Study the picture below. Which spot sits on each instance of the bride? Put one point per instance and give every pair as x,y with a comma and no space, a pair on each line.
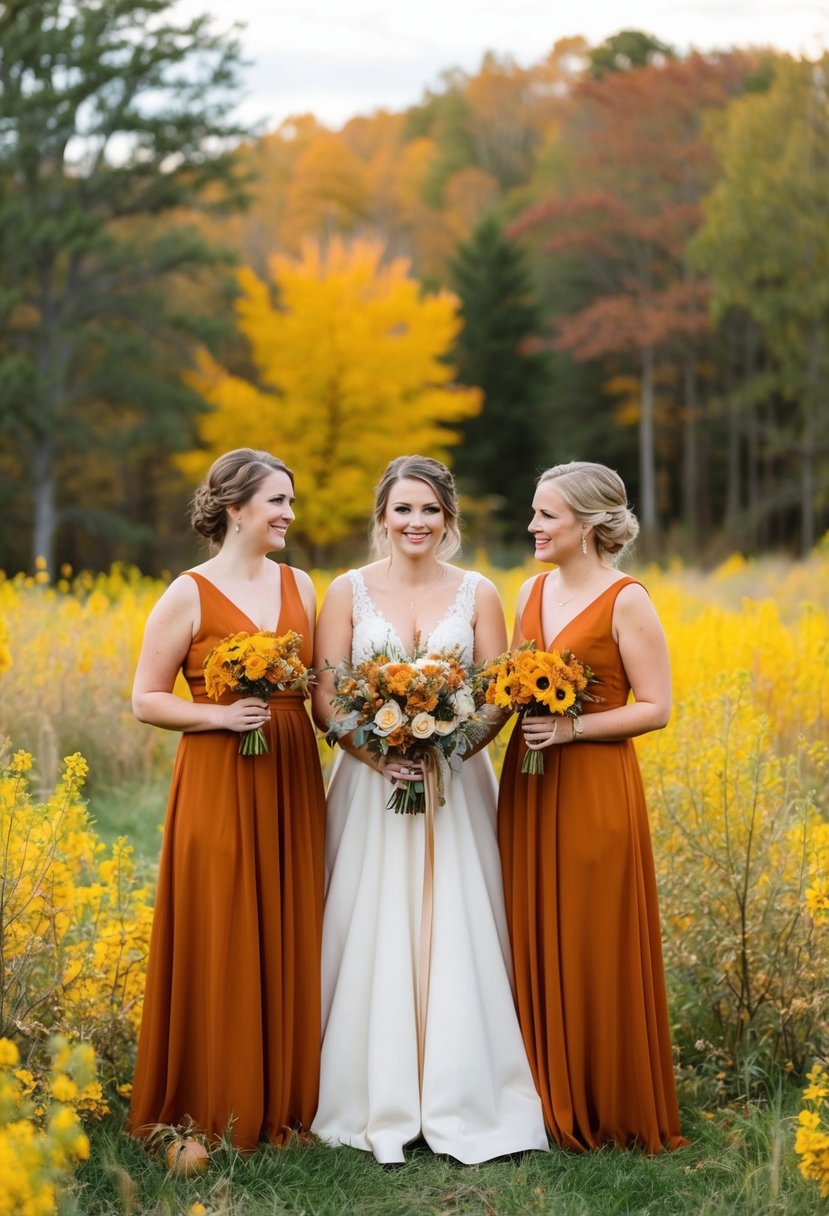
457,1076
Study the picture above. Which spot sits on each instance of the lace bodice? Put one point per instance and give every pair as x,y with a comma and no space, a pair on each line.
372,631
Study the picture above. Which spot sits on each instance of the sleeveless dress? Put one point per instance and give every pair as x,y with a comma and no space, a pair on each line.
230,1033
584,924
477,1099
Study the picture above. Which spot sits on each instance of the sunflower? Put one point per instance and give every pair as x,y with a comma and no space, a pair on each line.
509,691
559,696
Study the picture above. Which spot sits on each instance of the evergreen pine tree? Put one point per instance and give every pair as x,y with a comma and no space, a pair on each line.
506,445
114,130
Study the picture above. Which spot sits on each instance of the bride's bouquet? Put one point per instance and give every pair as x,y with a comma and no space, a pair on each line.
256,665
533,681
426,705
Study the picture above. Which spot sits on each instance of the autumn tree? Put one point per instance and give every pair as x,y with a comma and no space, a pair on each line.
350,372
113,118
633,167
765,246
506,445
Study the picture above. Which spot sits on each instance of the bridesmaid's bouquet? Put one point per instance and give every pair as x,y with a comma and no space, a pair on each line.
256,665
429,703
532,681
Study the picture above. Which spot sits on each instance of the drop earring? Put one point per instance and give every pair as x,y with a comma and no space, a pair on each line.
238,525
584,544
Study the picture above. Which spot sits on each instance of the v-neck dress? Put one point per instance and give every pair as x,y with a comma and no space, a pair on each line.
476,1098
230,1034
581,902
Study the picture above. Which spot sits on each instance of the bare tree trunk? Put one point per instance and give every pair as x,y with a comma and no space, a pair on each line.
45,510
807,445
733,489
690,454
753,444
647,454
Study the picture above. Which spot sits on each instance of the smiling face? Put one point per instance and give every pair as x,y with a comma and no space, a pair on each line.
414,517
556,530
267,514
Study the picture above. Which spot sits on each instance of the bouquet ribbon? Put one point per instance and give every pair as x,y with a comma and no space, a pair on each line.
431,797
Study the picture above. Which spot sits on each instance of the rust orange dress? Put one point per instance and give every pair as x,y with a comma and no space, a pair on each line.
230,1034
584,924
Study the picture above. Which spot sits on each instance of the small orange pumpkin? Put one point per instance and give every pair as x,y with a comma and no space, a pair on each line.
187,1157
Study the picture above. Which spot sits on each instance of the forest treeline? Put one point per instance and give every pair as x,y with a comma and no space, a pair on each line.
618,253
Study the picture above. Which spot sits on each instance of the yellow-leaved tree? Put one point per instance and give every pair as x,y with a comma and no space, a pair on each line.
349,355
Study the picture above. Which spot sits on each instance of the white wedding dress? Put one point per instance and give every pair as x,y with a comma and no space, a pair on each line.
476,1100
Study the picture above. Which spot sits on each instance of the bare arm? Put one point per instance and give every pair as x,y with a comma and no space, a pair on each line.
490,641
170,629
641,640
334,630
333,644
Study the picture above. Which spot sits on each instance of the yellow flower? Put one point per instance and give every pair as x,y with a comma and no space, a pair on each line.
559,696
9,1055
255,666
21,762
64,1088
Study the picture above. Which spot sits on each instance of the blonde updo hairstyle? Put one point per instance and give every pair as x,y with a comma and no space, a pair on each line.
232,480
440,481
597,497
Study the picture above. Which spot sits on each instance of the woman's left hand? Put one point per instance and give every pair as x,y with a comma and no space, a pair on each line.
400,769
546,731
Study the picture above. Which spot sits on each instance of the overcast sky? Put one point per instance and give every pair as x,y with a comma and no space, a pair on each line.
337,58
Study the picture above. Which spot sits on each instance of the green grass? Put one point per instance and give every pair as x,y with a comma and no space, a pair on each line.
135,810
740,1163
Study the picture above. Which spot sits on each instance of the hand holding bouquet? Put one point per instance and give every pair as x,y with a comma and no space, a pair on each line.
429,703
528,680
256,665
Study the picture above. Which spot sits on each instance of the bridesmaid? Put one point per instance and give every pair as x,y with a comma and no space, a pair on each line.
230,1036
575,845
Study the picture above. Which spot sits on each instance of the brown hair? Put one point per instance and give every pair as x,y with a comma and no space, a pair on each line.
232,480
439,479
596,495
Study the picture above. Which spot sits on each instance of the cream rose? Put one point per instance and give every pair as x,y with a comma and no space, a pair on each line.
387,718
463,703
423,726
445,728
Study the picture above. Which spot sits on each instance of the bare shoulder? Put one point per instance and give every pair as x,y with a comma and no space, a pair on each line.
632,597
634,606
339,593
486,592
304,582
525,589
181,595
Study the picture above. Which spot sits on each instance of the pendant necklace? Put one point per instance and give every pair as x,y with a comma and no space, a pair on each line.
412,603
561,603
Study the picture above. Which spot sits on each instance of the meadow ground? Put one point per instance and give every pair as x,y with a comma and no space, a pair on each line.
737,793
